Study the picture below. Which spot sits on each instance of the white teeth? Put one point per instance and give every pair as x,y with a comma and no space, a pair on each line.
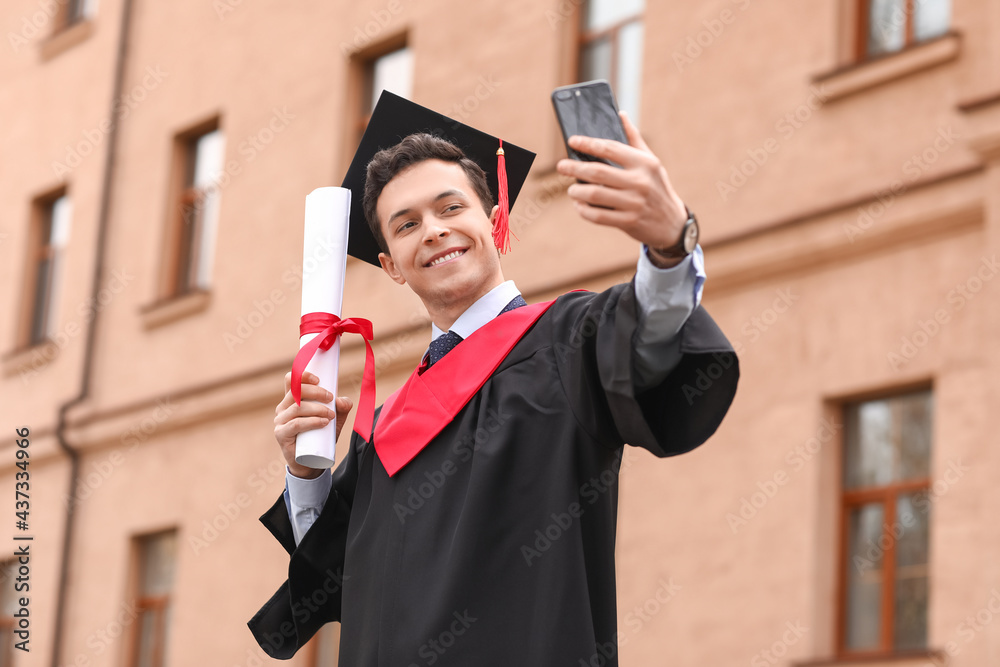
451,255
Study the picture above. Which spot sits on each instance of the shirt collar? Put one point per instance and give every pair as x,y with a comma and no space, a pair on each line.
482,311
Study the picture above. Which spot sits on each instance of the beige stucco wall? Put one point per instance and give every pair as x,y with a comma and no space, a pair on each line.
816,297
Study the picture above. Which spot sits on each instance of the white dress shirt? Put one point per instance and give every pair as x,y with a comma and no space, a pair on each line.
666,298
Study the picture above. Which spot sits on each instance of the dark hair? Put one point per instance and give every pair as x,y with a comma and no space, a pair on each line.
415,148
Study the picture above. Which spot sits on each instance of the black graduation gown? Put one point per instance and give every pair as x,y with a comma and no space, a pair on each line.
495,544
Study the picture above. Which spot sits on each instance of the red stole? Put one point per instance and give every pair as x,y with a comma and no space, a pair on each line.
428,401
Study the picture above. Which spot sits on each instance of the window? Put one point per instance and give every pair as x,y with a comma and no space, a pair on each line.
201,157
392,71
8,605
157,554
52,215
78,10
886,506
611,48
891,25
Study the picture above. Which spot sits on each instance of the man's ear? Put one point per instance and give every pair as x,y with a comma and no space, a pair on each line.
389,266
493,214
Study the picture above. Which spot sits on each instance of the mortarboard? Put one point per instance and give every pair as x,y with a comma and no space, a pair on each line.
393,119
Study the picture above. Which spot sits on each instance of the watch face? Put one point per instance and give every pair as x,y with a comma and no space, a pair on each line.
691,237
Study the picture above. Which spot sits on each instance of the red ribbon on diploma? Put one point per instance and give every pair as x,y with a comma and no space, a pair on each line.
329,326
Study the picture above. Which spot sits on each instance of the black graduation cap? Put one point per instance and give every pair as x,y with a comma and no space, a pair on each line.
393,119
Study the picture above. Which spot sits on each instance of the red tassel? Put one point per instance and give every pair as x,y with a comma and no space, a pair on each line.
501,226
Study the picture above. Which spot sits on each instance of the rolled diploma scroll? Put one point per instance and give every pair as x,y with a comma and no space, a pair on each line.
324,263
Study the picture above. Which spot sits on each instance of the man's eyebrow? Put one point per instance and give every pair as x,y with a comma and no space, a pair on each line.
443,195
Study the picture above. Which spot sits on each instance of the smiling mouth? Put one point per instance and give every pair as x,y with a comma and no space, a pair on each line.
446,258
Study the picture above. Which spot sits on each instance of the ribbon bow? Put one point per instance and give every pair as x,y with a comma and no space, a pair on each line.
329,326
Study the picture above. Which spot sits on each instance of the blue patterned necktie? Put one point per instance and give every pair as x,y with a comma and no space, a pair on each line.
445,343
441,346
516,302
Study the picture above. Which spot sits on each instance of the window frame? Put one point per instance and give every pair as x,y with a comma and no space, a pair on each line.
157,605
887,496
175,279
364,61
863,19
586,37
361,75
74,12
40,249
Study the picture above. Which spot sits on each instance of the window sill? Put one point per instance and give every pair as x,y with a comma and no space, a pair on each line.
28,360
174,308
908,659
848,80
66,39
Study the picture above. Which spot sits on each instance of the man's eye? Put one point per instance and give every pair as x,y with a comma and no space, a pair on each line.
405,225
452,207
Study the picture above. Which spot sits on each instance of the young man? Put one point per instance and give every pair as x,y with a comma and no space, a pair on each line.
476,524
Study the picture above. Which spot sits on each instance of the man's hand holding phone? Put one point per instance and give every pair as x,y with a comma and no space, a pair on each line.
637,198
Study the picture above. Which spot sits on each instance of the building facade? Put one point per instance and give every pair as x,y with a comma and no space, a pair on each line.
843,157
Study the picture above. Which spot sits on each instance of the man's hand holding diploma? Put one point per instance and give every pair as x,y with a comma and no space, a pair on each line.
291,419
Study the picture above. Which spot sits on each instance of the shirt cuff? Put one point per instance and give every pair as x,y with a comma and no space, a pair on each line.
666,298
656,288
308,493
304,499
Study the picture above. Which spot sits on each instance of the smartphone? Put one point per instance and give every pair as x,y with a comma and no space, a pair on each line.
588,109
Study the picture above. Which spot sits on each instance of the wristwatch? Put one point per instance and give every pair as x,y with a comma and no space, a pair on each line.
689,239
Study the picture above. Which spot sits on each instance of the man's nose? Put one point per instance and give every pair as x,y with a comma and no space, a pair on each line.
434,231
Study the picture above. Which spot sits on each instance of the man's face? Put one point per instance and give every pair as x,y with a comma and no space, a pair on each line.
439,237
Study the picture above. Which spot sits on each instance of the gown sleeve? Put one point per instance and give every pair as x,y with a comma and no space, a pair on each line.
594,339
311,595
